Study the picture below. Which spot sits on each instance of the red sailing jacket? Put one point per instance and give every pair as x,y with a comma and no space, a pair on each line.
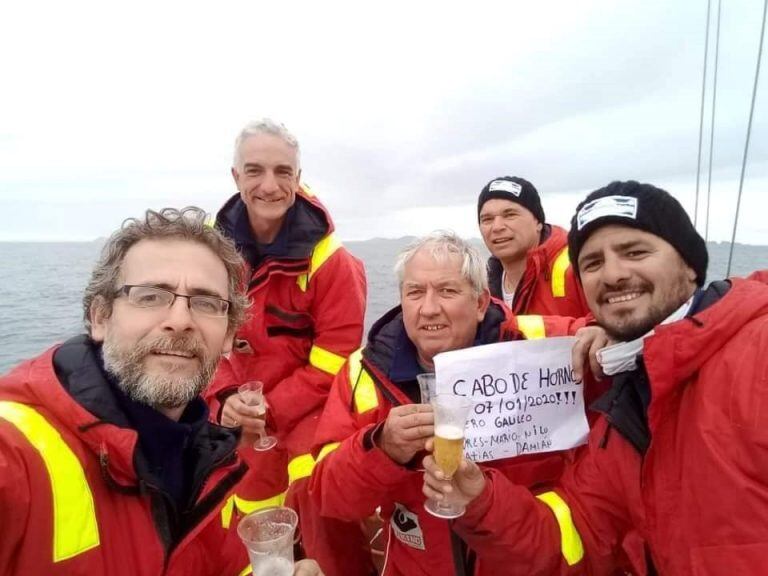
306,317
354,477
549,285
698,495
71,499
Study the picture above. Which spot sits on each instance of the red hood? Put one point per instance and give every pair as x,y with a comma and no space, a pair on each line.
677,351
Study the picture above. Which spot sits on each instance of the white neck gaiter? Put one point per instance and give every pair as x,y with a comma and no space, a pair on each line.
622,357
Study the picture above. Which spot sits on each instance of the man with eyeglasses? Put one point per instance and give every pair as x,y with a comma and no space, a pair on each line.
108,464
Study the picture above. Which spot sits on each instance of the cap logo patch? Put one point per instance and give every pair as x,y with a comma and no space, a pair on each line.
621,206
505,186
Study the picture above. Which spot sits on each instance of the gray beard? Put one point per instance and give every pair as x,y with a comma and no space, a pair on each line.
162,391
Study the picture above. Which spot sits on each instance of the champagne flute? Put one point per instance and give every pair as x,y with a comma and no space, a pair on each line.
252,394
451,413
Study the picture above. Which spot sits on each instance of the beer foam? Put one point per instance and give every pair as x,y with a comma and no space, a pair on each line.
449,431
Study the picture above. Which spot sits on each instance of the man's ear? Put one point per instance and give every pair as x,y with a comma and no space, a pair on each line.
690,273
235,177
483,301
98,315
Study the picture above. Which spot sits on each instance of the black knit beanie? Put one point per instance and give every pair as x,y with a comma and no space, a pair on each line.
644,207
515,189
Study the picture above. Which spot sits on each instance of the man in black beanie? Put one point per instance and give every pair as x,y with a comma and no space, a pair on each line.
529,268
679,459
635,226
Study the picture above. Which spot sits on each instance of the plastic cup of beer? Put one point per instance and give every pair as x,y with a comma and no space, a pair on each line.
268,537
451,413
427,386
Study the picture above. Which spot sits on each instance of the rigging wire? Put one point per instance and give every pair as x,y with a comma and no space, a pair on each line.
712,127
701,114
746,143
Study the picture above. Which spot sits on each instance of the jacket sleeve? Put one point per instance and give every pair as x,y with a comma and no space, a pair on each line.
15,502
535,326
577,528
352,476
338,310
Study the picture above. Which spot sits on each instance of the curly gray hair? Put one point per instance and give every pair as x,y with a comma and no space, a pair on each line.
187,224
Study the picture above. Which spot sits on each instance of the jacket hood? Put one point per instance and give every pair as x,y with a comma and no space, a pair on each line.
675,352
310,222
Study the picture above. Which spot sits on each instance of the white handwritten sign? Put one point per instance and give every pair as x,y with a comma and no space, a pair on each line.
526,400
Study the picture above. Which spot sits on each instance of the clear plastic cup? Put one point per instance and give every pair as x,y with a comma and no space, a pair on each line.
268,537
427,386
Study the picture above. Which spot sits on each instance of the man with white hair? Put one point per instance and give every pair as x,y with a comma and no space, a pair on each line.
306,316
374,426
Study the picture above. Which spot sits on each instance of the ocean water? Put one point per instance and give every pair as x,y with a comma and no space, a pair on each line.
41,287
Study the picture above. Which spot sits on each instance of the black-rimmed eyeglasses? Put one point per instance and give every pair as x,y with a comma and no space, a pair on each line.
154,297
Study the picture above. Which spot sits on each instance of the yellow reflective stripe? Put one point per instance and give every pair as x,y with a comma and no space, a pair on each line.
355,361
247,570
307,190
300,467
532,326
365,393
226,511
247,506
559,269
325,360
323,250
570,541
327,449
75,529
362,384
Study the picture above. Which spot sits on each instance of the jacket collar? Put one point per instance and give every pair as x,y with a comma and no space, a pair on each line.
541,257
676,352
88,405
306,223
689,343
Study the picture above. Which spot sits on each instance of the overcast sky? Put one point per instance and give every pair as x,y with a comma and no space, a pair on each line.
404,110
